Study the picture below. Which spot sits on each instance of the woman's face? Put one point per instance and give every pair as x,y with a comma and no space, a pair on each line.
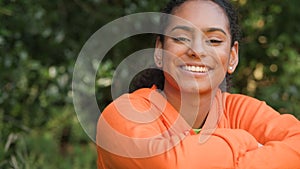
196,53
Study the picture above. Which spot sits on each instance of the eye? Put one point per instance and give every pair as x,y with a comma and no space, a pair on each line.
214,42
181,39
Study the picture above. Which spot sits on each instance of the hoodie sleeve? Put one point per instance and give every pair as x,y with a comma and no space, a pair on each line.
136,135
278,134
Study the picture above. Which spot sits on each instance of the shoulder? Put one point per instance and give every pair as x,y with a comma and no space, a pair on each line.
243,111
139,102
239,105
241,100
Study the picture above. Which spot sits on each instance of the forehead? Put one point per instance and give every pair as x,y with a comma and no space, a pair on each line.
202,14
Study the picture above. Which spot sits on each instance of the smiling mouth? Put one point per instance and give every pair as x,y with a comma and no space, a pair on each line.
195,69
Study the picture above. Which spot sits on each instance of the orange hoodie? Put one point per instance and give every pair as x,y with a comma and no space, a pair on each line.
142,130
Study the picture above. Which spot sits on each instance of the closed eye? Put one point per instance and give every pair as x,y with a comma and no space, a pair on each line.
181,39
214,42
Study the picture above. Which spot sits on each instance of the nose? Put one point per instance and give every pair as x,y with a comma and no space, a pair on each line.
197,49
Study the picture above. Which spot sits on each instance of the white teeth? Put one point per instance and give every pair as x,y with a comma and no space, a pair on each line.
200,69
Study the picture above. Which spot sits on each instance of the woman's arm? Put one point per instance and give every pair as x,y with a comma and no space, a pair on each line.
126,143
279,134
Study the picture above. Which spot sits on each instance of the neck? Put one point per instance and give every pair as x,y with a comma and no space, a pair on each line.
192,106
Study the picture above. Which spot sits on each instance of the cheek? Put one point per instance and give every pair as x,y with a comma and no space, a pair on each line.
173,56
223,57
174,49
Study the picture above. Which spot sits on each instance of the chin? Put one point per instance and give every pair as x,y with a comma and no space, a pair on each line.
196,89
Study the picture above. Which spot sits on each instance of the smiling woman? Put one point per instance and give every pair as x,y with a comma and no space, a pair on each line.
206,46
184,120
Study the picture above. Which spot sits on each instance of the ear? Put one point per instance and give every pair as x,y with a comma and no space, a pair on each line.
233,58
158,53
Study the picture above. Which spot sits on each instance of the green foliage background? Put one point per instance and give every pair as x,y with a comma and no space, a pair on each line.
40,41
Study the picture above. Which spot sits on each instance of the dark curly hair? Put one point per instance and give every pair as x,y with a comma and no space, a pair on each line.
155,76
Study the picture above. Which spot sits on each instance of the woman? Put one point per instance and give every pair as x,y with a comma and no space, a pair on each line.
190,122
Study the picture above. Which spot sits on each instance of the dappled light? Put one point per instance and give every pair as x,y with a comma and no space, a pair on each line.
40,43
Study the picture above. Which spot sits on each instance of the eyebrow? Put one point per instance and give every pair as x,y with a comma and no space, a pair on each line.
190,29
186,28
215,30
